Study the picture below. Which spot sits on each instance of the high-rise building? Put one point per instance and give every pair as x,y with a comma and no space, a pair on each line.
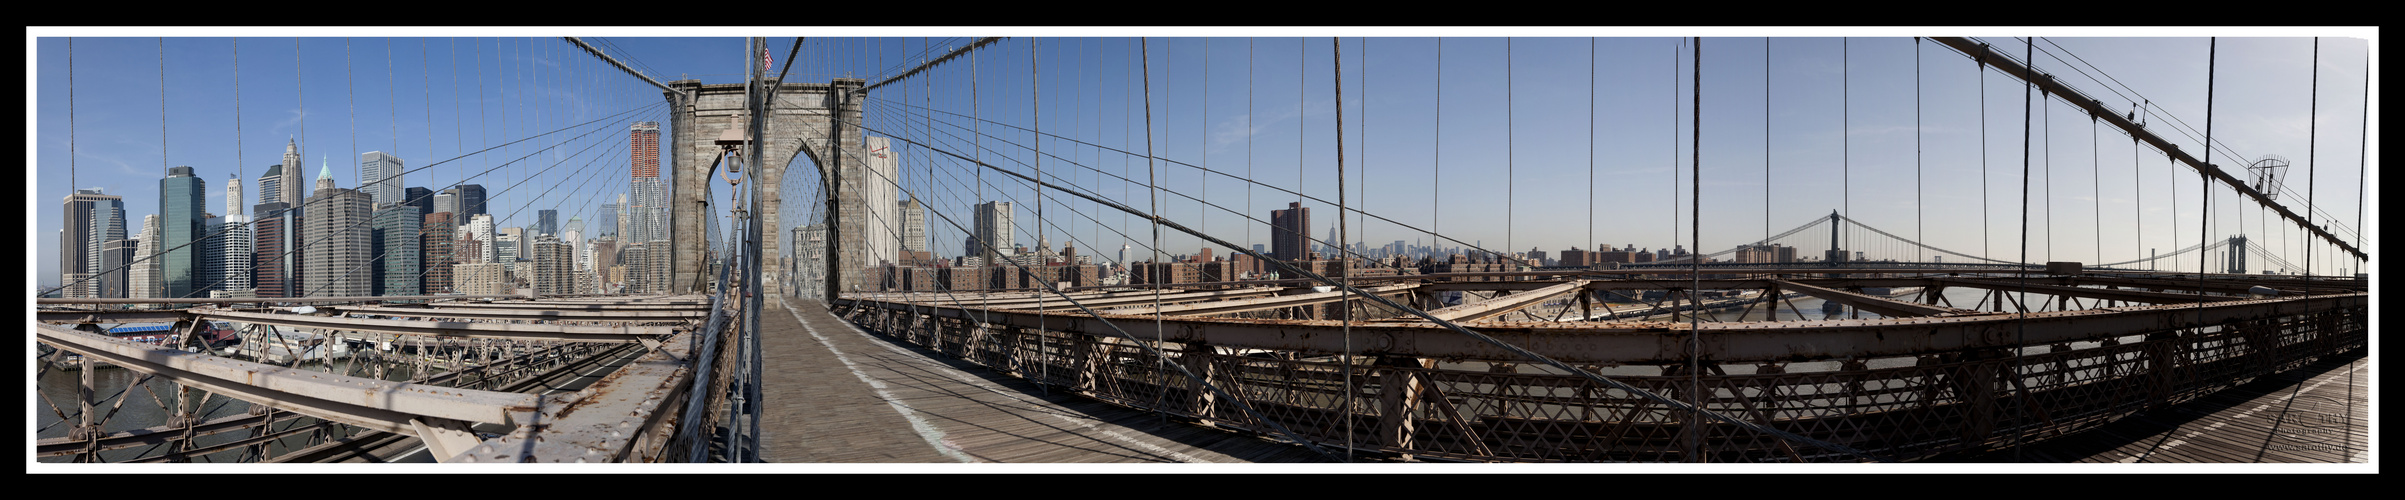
113,259
1287,232
914,225
293,186
870,227
632,257
602,254
480,227
643,142
380,177
271,268
606,224
647,218
271,185
574,236
505,244
448,202
396,237
181,198
471,196
546,223
339,239
488,278
92,220
235,234
554,266
143,274
435,241
419,197
994,231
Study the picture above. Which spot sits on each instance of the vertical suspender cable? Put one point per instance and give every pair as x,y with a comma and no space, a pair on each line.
1508,156
2205,183
2021,324
1918,231
1764,246
1985,247
1343,234
1152,188
1695,262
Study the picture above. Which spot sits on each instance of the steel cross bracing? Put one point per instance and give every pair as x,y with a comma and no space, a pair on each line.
478,387
1069,343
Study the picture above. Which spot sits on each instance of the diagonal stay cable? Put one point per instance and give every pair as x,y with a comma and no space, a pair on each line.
256,219
1306,238
1154,350
1567,368
372,214
1232,176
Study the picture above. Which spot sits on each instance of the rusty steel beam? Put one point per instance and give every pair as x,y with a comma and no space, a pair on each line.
2005,64
1628,284
541,306
266,300
449,329
602,423
468,312
1662,342
1498,306
358,401
51,447
1256,304
1882,305
1054,305
131,316
2091,293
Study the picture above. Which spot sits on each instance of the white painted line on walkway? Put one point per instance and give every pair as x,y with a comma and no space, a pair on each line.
980,383
934,436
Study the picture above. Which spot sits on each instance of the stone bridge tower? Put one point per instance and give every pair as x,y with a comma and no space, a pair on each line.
801,119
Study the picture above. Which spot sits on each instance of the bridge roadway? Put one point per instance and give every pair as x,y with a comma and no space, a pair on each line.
836,394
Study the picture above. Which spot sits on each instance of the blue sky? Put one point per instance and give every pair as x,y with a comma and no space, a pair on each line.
1510,163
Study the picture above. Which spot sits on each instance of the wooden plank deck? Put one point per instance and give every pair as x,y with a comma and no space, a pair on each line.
2301,416
834,394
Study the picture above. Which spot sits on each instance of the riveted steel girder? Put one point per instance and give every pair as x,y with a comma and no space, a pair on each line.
1882,305
1662,342
365,402
448,329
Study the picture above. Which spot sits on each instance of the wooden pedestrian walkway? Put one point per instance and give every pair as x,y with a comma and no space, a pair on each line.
2316,414
834,394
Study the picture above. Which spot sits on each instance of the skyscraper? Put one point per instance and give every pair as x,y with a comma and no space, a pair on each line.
994,230
419,197
479,227
471,196
554,266
83,235
573,236
647,219
143,274
339,240
395,235
1287,230
271,185
607,222
113,257
914,225
235,234
290,187
181,198
546,222
448,202
380,177
272,269
435,241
